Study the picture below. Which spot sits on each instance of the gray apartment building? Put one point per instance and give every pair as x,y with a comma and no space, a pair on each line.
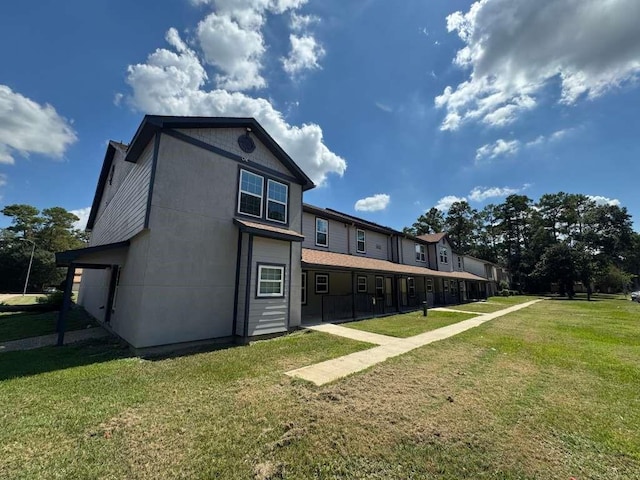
199,233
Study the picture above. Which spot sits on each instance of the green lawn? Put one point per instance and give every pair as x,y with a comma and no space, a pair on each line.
408,324
493,304
22,300
16,325
548,392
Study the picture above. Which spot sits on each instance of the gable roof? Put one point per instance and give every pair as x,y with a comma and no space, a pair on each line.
432,237
153,123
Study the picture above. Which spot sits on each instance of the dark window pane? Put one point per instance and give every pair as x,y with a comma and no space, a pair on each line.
276,212
250,204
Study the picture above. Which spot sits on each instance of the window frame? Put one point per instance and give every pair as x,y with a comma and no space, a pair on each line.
379,287
411,287
326,245
364,241
240,192
303,289
286,203
358,284
445,285
259,280
421,253
444,256
321,275
429,285
460,262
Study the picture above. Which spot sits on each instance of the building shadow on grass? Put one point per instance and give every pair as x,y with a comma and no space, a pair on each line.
47,359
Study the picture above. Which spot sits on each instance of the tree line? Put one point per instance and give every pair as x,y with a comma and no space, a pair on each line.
43,232
562,238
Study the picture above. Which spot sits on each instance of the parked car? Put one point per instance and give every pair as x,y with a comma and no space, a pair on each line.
635,296
49,290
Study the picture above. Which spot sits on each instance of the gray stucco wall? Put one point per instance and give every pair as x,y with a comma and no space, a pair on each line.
408,253
189,280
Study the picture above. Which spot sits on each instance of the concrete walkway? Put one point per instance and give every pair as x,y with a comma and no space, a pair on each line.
7,296
445,309
49,340
330,370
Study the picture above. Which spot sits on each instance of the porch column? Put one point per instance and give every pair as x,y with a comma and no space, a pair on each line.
66,303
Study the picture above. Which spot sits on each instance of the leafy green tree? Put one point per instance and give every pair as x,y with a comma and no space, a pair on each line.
431,221
461,225
52,230
558,264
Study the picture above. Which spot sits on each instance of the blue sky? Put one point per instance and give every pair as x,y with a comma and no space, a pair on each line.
391,108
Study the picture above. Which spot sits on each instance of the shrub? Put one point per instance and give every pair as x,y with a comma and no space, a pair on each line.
54,298
505,293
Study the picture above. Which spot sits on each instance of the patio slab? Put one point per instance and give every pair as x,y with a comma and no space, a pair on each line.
330,370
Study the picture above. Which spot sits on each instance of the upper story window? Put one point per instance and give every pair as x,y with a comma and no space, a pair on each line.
420,253
251,197
361,245
250,194
277,196
322,232
460,263
444,255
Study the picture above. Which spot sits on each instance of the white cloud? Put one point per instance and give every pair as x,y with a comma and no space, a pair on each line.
172,82
444,204
305,54
514,48
480,194
235,48
3,179
600,200
29,127
231,38
300,23
554,137
83,215
374,203
500,147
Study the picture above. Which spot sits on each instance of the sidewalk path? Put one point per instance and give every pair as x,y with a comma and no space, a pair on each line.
330,370
7,296
48,340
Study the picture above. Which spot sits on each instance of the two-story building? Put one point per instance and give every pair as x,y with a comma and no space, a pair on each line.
199,233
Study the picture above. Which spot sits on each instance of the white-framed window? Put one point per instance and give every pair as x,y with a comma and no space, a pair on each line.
322,283
303,289
429,285
250,194
420,253
270,281
460,263
444,256
361,245
379,287
446,285
277,197
322,232
454,285
362,285
411,286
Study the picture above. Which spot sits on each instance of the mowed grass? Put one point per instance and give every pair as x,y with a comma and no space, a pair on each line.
17,325
550,391
408,324
493,304
22,300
